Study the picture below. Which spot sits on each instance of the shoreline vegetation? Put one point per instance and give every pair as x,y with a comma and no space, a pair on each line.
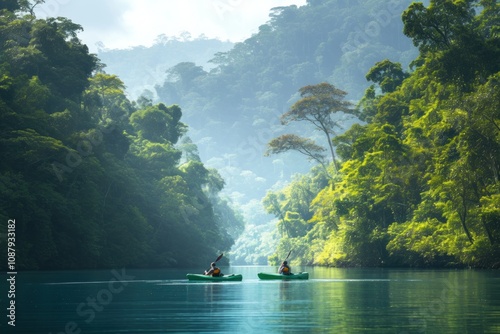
94,180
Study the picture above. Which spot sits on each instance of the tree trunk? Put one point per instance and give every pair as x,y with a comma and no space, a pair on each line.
463,216
330,145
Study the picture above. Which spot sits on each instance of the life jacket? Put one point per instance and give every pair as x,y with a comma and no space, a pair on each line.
216,272
285,269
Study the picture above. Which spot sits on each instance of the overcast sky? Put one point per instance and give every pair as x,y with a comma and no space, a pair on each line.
127,23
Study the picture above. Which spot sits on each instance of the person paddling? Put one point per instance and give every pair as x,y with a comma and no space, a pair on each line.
285,269
214,271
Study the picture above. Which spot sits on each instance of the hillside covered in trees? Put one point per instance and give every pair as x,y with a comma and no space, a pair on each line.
258,79
418,184
142,68
92,179
233,106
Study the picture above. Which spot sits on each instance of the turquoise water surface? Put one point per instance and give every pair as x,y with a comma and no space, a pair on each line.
331,301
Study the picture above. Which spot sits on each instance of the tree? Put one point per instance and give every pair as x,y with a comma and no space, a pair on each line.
180,79
189,149
10,5
159,123
317,106
291,207
438,26
106,102
489,18
67,62
387,75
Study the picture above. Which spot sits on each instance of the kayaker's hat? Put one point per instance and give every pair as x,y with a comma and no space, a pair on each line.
213,264
284,262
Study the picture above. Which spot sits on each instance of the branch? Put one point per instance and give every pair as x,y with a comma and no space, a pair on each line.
302,145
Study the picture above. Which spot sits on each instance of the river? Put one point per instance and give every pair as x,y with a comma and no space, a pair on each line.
331,301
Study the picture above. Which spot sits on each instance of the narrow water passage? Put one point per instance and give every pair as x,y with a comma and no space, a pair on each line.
331,301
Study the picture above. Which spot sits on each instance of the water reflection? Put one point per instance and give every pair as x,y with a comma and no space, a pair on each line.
332,300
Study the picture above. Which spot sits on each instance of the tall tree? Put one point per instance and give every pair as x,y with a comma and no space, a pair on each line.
387,75
317,106
439,25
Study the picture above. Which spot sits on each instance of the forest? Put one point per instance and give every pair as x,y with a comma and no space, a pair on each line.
417,184
404,170
258,79
92,179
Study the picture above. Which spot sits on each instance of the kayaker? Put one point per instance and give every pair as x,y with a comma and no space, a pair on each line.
285,269
214,271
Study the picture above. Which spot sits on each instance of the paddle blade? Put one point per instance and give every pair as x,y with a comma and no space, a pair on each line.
220,257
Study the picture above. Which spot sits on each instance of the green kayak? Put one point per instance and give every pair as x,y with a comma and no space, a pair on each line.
201,277
302,275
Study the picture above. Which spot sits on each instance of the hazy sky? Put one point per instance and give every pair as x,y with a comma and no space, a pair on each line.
125,23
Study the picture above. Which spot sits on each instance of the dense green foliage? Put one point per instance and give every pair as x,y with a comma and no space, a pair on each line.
95,180
92,179
419,183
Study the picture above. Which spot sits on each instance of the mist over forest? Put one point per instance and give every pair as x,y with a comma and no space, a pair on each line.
232,100
244,90
351,133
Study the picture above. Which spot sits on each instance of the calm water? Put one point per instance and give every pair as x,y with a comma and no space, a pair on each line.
331,301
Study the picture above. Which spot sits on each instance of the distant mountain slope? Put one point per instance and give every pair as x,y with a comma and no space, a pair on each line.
232,109
142,67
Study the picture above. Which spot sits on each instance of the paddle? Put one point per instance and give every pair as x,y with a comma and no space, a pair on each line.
220,257
288,255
